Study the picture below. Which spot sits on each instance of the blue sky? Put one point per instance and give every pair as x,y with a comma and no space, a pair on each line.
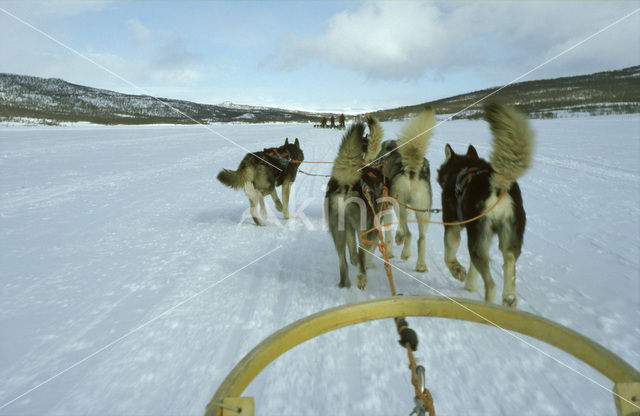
325,55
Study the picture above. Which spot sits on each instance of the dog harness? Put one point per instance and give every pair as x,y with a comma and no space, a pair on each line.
462,180
283,159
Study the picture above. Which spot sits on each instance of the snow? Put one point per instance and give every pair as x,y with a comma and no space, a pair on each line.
118,248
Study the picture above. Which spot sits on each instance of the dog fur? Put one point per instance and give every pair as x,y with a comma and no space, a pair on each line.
259,178
348,213
478,188
407,171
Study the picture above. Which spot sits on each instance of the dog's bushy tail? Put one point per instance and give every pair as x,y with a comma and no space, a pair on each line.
349,159
512,144
234,178
414,140
374,138
353,148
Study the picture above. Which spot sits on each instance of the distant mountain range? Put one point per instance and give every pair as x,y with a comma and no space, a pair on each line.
53,100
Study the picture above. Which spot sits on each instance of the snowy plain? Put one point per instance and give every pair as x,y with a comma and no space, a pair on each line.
107,234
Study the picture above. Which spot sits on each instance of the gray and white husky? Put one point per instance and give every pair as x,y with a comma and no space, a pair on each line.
259,173
348,213
471,185
407,172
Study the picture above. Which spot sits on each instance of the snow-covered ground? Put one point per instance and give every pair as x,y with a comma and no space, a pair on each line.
108,233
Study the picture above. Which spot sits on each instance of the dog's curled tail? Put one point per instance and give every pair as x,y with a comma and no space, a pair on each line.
374,138
414,140
232,178
512,144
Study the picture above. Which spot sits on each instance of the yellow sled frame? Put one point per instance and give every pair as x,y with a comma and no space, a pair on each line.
626,379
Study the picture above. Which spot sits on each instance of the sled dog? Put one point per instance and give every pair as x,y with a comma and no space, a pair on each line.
259,178
408,174
471,185
348,212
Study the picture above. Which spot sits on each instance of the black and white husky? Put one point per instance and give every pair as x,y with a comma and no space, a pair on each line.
348,212
259,173
471,185
409,177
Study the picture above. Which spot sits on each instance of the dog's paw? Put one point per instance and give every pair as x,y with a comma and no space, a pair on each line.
457,271
421,267
264,214
362,281
287,216
510,301
344,284
278,205
258,222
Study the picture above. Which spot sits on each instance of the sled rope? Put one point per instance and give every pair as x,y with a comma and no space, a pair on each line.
477,217
286,156
313,174
431,210
408,337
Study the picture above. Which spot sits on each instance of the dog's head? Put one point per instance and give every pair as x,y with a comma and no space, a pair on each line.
454,162
293,149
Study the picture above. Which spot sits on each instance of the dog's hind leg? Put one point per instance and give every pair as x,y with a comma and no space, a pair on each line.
509,297
510,254
423,218
286,189
403,230
353,248
451,244
263,206
340,241
254,200
479,253
400,230
363,254
276,200
471,282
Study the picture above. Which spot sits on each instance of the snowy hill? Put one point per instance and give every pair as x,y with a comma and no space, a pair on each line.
57,100
127,285
602,93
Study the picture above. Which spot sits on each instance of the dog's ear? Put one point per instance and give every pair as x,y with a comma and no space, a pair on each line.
471,151
448,152
297,142
286,141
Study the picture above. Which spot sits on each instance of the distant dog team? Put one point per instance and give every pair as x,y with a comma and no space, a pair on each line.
483,197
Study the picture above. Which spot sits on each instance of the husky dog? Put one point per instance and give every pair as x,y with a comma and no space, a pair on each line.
347,208
407,171
471,185
259,173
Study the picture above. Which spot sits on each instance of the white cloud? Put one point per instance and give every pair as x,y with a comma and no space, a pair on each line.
160,61
138,32
404,40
